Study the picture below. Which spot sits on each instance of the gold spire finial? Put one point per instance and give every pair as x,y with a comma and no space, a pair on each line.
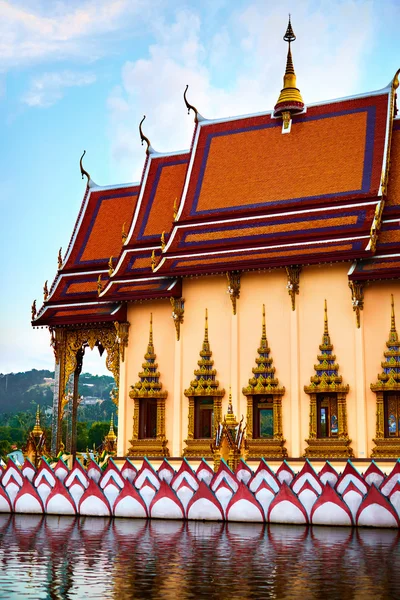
59,259
37,430
99,286
110,266
153,260
326,332
175,209
84,173
111,434
206,328
392,318
163,240
290,100
124,235
151,330
45,291
264,329
33,309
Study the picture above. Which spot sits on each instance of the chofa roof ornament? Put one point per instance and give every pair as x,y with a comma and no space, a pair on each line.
144,138
197,115
84,173
290,100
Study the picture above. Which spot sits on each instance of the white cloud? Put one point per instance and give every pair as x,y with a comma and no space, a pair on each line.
36,31
48,88
239,71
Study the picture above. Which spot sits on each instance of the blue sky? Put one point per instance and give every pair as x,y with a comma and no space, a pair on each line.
79,74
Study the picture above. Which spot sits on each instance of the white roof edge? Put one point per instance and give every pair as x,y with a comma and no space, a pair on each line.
155,154
387,89
100,188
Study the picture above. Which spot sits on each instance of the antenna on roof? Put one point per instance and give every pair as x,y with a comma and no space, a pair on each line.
144,138
190,106
83,171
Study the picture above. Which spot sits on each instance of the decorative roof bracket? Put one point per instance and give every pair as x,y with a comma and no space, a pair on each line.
233,287
178,311
293,284
122,330
357,298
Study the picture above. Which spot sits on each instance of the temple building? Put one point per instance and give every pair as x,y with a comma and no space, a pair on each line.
263,260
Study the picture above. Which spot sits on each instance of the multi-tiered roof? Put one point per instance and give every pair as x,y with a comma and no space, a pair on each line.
149,385
389,379
263,380
205,382
301,184
326,378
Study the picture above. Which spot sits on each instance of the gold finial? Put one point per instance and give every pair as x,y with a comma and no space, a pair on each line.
37,430
99,286
190,106
230,418
83,171
175,209
111,434
33,309
59,259
163,240
144,138
153,260
264,329
326,332
151,330
206,328
110,266
45,291
392,318
124,235
290,99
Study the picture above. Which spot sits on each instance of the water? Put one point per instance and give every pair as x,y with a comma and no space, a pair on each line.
62,557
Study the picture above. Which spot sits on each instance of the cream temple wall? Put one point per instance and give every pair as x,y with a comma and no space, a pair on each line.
293,337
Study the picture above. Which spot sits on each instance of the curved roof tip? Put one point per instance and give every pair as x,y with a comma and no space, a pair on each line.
197,116
144,138
84,173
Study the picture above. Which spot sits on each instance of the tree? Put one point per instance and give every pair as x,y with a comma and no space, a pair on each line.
97,433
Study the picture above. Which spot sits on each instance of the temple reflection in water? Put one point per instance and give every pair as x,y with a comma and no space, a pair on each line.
61,557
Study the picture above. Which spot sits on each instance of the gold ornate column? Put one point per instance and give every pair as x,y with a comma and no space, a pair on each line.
388,382
204,384
149,387
264,384
328,383
58,343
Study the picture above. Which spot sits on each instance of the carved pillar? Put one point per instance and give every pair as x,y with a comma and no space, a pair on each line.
342,416
277,406
313,416
58,343
249,416
191,419
74,407
161,419
136,411
217,412
380,419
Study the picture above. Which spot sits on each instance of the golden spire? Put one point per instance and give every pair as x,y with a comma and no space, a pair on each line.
124,235
151,335
206,328
326,331
60,262
264,329
290,100
37,430
393,331
111,434
230,418
163,240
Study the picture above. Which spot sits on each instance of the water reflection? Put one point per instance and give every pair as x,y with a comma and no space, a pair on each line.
62,557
